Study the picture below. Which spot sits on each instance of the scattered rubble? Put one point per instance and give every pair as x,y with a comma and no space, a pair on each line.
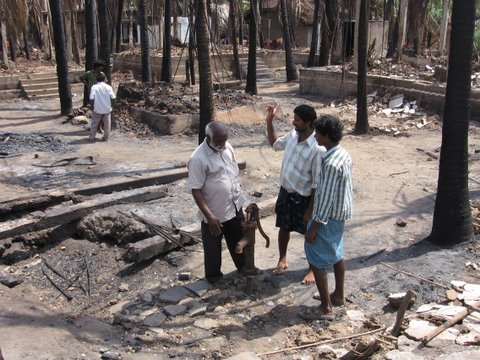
15,143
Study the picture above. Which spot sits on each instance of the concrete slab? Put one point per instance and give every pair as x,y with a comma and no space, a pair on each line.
174,295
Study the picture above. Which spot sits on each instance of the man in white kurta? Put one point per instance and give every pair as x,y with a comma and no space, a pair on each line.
101,96
212,178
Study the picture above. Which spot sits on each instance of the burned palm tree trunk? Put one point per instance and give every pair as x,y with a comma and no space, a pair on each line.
233,37
314,43
238,8
207,111
289,64
251,86
452,218
104,29
361,125
146,73
118,24
191,42
90,34
167,45
328,30
3,33
61,57
75,49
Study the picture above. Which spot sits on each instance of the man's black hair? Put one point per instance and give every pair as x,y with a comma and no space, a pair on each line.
306,113
101,77
97,63
330,126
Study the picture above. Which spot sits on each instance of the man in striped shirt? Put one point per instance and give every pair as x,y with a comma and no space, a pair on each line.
332,206
300,169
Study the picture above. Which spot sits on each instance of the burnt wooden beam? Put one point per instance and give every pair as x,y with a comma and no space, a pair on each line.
64,214
34,202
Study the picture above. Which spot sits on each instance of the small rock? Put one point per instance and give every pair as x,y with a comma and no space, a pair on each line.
458,284
11,280
174,310
80,120
206,324
154,320
417,329
451,294
198,310
123,287
257,194
401,222
147,297
189,302
356,315
184,276
110,355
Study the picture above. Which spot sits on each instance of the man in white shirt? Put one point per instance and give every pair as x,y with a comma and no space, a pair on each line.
212,178
298,178
101,96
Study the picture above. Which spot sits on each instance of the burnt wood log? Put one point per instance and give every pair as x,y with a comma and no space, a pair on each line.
148,248
64,214
33,202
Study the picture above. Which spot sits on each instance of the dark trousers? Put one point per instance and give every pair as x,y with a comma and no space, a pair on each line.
212,247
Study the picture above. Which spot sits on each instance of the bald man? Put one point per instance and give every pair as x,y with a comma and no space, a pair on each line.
212,178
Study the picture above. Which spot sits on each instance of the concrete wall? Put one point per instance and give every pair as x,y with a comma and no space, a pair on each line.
318,81
129,62
9,87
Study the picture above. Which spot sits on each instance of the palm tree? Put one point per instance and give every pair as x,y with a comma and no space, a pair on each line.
3,33
90,35
452,218
90,42
251,86
233,37
328,31
191,42
361,125
104,30
314,43
118,26
207,111
61,57
289,64
146,71
167,45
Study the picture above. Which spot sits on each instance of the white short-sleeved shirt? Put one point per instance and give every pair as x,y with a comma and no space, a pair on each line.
301,163
102,95
216,174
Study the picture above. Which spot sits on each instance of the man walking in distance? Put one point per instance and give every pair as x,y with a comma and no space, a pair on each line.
332,206
299,173
101,97
212,178
89,78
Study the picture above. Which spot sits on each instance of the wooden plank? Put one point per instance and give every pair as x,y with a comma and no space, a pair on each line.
62,215
49,198
38,201
159,178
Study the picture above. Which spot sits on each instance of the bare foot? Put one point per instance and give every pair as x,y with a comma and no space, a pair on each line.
336,301
309,279
281,267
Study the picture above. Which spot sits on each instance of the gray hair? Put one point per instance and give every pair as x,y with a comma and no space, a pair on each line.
215,127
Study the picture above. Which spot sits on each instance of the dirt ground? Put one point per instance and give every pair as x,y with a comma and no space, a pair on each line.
395,177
